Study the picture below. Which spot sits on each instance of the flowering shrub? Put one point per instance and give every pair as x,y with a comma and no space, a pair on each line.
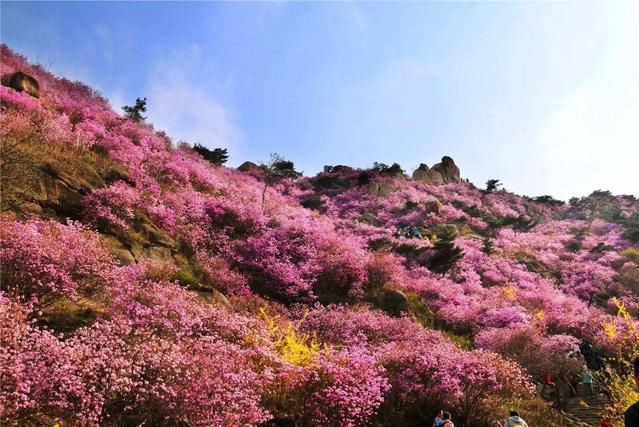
424,369
112,207
318,384
538,354
282,262
340,388
618,379
140,370
39,381
43,259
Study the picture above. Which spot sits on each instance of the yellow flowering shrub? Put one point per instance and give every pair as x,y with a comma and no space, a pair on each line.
632,254
509,292
618,376
296,348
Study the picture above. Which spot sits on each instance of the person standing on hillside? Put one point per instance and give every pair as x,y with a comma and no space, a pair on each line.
586,380
631,416
514,420
448,422
439,419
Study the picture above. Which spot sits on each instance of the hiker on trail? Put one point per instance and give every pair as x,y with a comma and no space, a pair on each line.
586,351
548,380
447,420
439,419
573,383
548,388
586,380
631,416
514,420
414,233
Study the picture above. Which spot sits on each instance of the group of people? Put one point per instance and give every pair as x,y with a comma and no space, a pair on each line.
444,419
554,392
570,386
408,232
631,416
592,355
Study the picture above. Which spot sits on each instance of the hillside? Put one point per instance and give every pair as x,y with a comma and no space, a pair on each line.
142,284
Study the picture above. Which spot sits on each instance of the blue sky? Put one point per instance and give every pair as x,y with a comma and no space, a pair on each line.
544,96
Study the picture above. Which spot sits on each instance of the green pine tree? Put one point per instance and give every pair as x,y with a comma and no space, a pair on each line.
492,185
217,156
446,253
135,112
487,246
632,228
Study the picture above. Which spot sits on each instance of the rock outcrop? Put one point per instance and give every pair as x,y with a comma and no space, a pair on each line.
22,83
248,167
381,188
341,168
421,173
55,188
62,193
251,169
445,172
448,169
433,206
394,302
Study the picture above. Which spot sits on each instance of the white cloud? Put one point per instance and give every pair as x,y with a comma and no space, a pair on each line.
186,107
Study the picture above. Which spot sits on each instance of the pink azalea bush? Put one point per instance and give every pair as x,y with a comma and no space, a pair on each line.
339,388
424,368
43,259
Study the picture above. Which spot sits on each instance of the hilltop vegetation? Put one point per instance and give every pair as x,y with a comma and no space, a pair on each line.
143,282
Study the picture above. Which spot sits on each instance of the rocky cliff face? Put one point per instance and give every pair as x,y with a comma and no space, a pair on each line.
445,172
53,183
